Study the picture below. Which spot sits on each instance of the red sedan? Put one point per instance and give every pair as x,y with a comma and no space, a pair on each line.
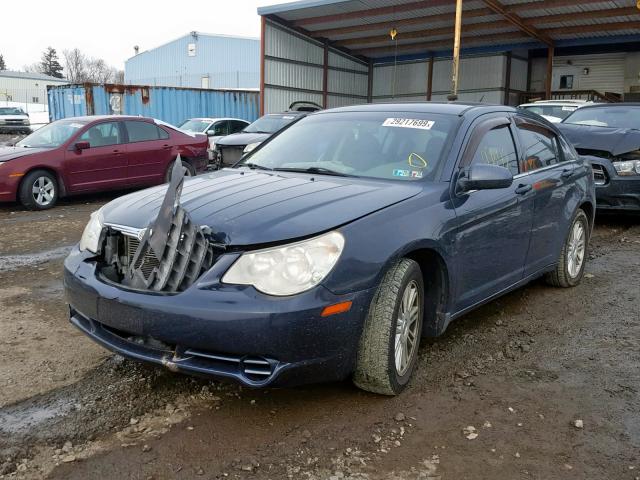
91,154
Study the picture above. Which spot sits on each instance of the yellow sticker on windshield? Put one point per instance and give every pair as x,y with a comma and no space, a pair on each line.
417,161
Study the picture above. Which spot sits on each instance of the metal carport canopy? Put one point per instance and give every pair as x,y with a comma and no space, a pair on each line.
425,28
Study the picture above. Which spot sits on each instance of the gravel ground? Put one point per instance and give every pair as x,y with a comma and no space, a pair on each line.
542,383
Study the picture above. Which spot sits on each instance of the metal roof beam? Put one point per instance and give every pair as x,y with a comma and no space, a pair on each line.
602,27
427,46
548,5
577,16
440,17
425,34
373,12
533,32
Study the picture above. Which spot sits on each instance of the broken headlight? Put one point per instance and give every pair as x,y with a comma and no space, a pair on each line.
629,167
289,269
90,239
251,147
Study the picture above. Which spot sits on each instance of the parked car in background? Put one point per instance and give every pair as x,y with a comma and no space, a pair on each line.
96,153
554,110
333,247
214,128
231,148
610,134
14,120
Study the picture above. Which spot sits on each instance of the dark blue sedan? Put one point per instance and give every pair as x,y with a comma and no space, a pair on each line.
332,248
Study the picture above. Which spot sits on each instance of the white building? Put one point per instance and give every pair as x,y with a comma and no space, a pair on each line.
26,87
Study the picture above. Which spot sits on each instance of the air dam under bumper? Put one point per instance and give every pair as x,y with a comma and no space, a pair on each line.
218,330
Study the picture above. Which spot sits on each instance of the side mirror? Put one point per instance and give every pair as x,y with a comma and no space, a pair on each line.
79,146
211,133
484,177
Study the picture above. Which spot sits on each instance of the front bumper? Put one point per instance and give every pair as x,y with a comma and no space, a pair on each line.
617,193
15,128
218,330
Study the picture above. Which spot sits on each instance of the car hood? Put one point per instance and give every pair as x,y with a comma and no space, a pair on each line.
249,208
242,139
11,153
616,141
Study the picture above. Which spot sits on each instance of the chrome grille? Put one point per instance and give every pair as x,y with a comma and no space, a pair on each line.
599,174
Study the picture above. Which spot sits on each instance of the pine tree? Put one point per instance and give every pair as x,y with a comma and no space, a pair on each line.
3,66
49,65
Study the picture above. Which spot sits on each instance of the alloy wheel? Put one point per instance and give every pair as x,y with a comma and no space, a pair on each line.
407,328
43,191
576,249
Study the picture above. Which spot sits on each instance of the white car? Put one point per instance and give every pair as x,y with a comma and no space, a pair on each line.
555,110
214,128
14,120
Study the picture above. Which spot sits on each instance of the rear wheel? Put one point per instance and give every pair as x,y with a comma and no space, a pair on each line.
570,268
388,349
39,190
189,170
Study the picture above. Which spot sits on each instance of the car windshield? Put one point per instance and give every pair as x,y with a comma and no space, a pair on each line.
399,146
52,135
621,116
194,125
558,111
270,123
11,111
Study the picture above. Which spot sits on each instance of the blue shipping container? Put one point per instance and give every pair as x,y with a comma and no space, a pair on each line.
170,104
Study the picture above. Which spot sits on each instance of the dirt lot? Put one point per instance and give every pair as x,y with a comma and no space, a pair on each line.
548,379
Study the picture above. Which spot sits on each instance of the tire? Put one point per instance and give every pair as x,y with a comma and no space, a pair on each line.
567,273
39,190
376,366
189,170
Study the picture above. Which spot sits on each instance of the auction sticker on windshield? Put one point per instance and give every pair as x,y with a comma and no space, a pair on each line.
408,123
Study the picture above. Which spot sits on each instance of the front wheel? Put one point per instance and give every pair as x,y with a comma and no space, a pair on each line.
388,349
39,190
570,268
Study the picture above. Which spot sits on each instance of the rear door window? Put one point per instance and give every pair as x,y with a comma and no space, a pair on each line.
144,132
102,135
540,147
497,148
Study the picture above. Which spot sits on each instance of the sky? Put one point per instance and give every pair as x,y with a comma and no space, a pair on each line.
109,30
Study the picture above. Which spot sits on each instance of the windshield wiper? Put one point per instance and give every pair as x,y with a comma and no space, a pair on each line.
320,170
254,166
256,131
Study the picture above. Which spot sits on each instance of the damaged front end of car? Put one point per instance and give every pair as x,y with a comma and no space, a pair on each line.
169,255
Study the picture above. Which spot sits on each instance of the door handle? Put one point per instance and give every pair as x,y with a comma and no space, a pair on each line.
166,147
567,172
523,188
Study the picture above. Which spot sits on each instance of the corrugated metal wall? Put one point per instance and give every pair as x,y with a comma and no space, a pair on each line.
25,90
294,70
172,105
606,72
482,78
226,62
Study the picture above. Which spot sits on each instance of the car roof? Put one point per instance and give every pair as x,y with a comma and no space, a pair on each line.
452,108
621,104
216,119
94,118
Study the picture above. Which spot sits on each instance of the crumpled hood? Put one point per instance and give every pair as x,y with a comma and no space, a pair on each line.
245,207
616,141
242,139
11,153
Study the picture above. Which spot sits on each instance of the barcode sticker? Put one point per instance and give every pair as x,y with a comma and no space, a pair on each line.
409,123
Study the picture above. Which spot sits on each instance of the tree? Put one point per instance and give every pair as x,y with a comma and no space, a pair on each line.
80,68
3,66
74,63
49,65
